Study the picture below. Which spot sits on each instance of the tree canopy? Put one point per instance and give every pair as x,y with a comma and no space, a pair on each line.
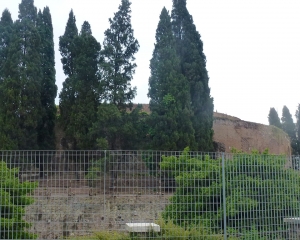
170,123
118,67
180,101
46,136
80,94
274,118
288,123
193,67
27,78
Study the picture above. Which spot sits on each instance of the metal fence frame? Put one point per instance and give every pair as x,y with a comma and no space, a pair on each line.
80,192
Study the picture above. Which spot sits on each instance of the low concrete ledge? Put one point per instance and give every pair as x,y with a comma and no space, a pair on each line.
294,220
294,227
142,227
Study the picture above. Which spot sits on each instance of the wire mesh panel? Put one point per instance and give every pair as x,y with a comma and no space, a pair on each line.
262,192
61,193
148,195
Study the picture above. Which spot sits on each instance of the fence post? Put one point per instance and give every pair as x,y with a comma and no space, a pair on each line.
104,203
224,195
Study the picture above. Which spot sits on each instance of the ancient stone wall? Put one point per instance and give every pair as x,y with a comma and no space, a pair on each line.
61,216
231,132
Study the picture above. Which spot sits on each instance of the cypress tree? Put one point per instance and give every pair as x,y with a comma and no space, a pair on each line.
193,67
46,136
79,98
297,127
119,47
6,28
8,130
66,45
67,51
287,123
296,145
29,74
171,126
85,79
274,118
117,69
20,88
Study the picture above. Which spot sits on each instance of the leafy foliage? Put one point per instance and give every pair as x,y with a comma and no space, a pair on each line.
66,45
287,123
170,120
289,127
27,79
79,98
46,136
106,128
13,199
274,118
94,172
296,145
135,128
169,231
258,194
115,129
7,128
6,25
67,51
21,79
193,66
118,67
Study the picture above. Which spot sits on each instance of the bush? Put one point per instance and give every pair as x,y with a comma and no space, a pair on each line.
105,235
14,197
94,172
260,192
169,231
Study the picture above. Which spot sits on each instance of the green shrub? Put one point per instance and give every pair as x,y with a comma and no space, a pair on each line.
169,231
14,197
94,172
105,235
260,192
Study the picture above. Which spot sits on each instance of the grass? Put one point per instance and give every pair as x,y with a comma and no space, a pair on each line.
169,231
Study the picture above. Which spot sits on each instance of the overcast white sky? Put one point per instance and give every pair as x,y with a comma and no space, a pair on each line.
252,47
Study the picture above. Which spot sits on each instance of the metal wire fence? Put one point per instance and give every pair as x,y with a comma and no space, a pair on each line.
148,195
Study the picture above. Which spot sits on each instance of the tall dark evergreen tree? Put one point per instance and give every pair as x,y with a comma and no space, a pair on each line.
67,51
85,86
289,127
171,126
67,47
297,132
21,84
287,123
80,95
117,69
29,74
46,136
6,28
193,67
119,47
7,125
297,127
274,118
